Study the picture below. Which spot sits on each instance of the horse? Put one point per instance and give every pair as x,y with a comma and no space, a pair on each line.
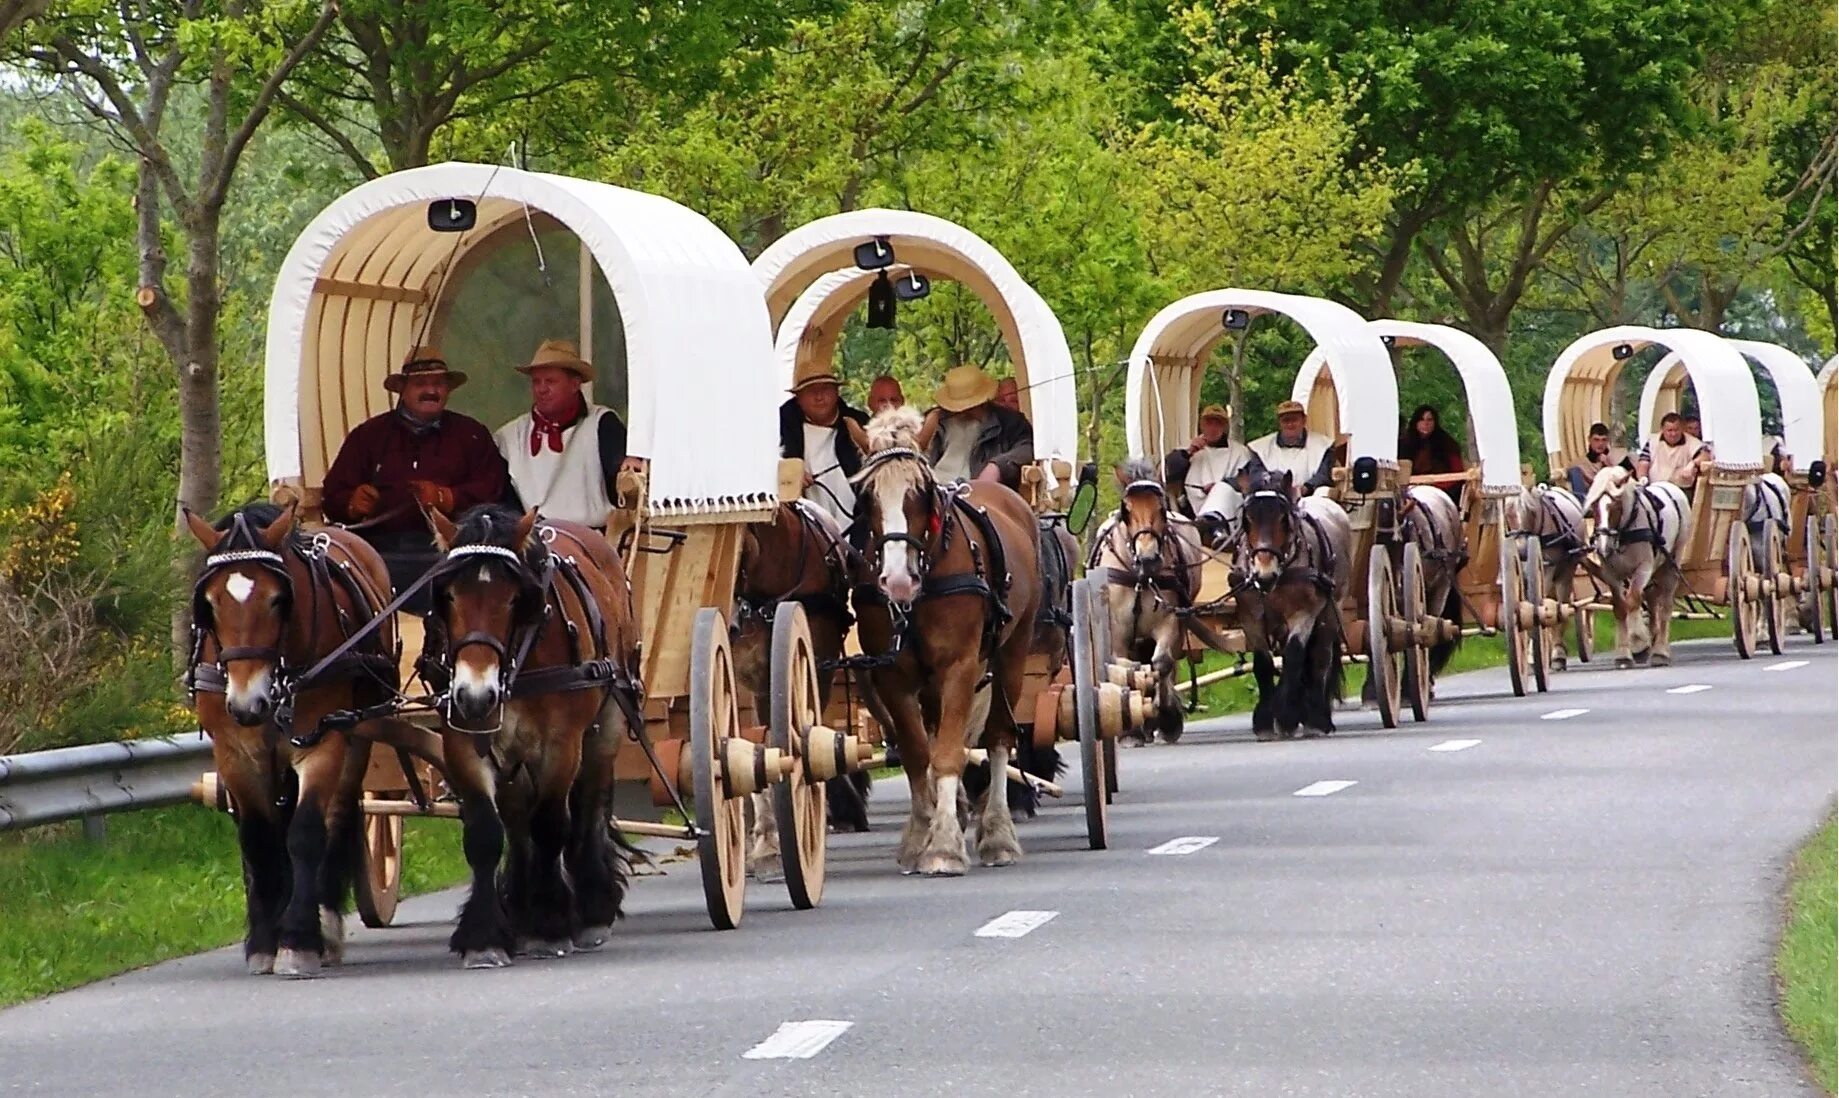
1151,557
949,615
800,556
534,642
1765,505
1640,530
1290,574
1554,516
268,603
1430,518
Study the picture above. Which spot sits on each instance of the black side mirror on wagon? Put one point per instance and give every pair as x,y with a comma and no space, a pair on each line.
1364,476
875,255
1816,474
452,215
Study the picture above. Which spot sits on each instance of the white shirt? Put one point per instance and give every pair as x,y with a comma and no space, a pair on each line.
568,486
961,434
1211,464
1300,462
832,491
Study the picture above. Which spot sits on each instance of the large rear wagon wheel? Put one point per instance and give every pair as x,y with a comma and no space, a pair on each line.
1417,654
1513,597
1774,605
1814,556
799,806
721,820
1085,708
377,886
1540,637
1829,598
1381,607
1745,616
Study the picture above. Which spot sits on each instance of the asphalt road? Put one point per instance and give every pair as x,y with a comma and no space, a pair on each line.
1584,905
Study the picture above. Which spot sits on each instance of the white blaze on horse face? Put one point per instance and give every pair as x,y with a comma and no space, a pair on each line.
475,669
897,579
1603,528
246,684
239,586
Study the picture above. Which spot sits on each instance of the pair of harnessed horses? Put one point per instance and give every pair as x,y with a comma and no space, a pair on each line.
532,650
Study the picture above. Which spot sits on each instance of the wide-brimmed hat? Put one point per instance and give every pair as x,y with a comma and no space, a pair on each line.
965,387
1216,411
1291,408
421,362
558,354
812,373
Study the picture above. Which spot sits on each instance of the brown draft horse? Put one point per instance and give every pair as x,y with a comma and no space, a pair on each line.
799,556
534,637
951,612
268,603
1290,574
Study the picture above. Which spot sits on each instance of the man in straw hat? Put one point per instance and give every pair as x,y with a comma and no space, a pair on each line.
418,454
564,453
971,436
1293,448
812,428
1208,469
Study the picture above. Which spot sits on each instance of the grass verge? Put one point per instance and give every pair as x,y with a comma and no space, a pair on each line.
164,884
1806,965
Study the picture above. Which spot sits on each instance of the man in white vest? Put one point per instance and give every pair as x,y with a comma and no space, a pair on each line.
564,453
1208,469
1293,448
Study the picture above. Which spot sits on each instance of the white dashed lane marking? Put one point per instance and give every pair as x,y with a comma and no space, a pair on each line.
1563,714
1322,789
1014,924
1690,688
797,1040
1786,665
1187,844
1454,745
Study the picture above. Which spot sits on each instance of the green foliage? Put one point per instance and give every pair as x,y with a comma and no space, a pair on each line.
1806,966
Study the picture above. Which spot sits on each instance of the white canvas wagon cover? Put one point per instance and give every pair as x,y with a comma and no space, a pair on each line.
812,284
698,343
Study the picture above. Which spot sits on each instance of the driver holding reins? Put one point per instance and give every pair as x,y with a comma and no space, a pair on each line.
812,428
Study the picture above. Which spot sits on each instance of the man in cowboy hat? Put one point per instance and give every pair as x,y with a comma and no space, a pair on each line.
971,436
1208,469
416,455
884,393
812,429
1293,448
564,454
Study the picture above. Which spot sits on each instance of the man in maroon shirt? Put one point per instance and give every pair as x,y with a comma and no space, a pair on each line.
416,455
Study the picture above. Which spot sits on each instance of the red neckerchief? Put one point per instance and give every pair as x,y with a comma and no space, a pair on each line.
542,428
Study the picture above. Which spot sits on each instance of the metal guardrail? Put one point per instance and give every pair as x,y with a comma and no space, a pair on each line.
71,783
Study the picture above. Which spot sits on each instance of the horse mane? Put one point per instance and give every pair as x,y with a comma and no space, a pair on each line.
1609,482
895,428
1132,470
495,524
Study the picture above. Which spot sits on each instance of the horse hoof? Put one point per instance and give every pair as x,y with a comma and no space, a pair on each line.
590,938
297,964
1558,663
259,964
1659,660
332,936
996,855
768,871
1643,658
1624,663
544,949
485,958
1265,735
942,865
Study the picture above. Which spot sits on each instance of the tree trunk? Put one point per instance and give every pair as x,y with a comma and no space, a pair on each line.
1235,388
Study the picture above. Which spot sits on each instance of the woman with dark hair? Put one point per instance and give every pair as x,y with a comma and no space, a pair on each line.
1430,449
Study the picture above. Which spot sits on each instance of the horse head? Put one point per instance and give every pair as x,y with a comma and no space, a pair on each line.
1143,515
898,504
488,595
1268,527
1610,499
243,600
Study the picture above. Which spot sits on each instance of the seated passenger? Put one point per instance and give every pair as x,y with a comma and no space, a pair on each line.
884,393
811,428
1599,455
1431,450
1672,455
416,455
973,437
1208,470
563,472
1293,448
1009,395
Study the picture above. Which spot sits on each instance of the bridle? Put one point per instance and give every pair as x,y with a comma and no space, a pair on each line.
1292,544
935,541
246,551
530,611
1131,537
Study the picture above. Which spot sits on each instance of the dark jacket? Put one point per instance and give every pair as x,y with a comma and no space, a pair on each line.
1006,441
458,454
792,436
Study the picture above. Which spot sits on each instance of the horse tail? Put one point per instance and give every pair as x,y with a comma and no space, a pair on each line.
848,800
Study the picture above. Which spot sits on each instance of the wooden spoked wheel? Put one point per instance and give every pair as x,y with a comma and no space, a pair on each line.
1745,611
721,820
1829,598
1539,638
378,888
1382,606
1513,597
1085,710
1774,606
1101,651
799,806
1417,653
1816,562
